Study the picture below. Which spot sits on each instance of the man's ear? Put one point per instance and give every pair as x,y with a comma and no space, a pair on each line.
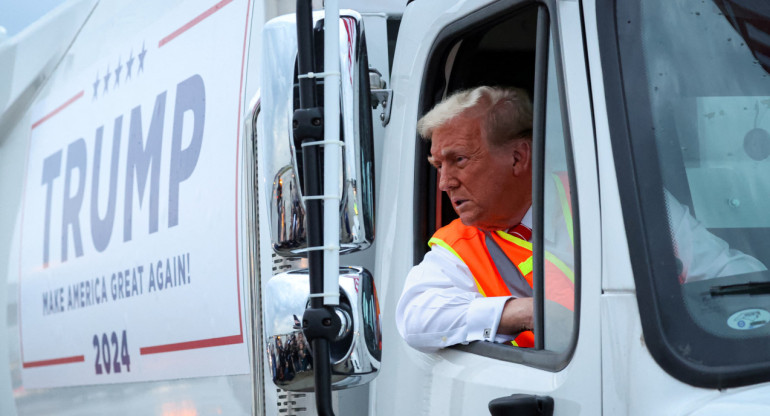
522,157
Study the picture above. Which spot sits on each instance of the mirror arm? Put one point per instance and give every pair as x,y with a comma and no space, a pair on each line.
308,127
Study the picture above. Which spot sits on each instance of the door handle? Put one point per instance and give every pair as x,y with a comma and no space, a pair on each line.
522,405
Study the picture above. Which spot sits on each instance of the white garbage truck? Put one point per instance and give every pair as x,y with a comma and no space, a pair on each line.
211,207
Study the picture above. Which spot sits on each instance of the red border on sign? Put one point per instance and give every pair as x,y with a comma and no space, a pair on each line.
195,21
55,361
192,345
57,110
181,346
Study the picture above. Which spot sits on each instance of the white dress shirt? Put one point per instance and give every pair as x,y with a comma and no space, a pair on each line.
441,306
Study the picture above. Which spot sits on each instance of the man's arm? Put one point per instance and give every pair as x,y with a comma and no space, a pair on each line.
704,255
441,305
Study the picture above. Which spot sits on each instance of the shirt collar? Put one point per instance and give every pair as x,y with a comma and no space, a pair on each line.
527,220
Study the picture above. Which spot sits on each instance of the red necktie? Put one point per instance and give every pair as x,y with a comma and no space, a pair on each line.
521,231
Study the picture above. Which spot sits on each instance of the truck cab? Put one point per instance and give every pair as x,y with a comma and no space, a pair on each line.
625,99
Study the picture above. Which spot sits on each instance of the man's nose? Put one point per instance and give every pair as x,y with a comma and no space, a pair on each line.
446,180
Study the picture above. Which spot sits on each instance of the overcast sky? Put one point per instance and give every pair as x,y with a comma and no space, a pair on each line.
15,15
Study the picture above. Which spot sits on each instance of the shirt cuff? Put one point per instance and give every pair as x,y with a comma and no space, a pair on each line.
483,318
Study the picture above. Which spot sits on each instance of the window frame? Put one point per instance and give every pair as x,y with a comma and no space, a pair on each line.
433,86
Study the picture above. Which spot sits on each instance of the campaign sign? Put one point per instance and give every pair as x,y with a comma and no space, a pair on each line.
128,267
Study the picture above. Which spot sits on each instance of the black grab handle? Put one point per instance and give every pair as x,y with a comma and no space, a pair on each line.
522,405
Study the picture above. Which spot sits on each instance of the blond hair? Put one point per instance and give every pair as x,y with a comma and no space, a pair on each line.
505,113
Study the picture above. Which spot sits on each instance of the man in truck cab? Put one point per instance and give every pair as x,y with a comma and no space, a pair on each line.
476,281
481,145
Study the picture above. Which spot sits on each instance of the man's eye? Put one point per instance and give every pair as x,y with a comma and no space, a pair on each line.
461,159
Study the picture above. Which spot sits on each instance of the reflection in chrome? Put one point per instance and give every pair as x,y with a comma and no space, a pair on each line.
355,354
279,155
288,210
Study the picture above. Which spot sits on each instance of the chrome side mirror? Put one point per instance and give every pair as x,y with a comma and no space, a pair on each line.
355,354
279,153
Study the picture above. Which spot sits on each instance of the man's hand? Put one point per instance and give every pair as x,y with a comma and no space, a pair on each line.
516,317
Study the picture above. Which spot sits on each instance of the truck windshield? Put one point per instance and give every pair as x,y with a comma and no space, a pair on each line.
697,98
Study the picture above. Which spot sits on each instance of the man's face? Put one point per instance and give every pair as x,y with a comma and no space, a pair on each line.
490,187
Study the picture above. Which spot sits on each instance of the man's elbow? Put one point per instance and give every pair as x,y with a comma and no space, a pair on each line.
416,334
409,327
419,345
423,342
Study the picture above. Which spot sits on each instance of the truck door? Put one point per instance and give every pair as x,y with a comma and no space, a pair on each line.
536,46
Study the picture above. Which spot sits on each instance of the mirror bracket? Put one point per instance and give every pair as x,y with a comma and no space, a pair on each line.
384,97
323,322
308,124
380,94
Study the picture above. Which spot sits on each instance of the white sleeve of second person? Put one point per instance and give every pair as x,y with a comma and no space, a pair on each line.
441,305
704,255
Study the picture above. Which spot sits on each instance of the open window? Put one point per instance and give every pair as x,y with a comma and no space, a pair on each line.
511,44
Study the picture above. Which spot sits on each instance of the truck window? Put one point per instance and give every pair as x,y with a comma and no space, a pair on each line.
695,200
499,48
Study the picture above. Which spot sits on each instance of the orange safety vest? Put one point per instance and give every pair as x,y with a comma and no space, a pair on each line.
470,245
